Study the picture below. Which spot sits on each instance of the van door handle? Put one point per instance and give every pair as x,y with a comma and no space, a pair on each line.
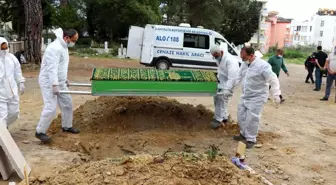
207,52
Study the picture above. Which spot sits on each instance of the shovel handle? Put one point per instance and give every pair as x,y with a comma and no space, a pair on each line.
80,84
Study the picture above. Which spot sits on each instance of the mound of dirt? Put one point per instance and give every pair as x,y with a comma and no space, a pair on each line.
171,169
115,114
115,126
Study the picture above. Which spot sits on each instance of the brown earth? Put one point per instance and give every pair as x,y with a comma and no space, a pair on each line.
171,169
298,138
135,125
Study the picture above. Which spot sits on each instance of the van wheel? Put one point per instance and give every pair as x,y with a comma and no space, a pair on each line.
162,64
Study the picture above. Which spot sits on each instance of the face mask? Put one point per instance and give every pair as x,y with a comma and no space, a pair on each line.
71,44
4,52
218,58
279,55
246,62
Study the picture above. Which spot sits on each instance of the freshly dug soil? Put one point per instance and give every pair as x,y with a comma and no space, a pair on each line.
171,169
117,126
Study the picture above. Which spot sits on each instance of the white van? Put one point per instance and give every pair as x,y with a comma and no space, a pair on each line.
181,46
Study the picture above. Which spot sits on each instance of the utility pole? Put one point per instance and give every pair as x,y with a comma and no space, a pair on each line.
258,36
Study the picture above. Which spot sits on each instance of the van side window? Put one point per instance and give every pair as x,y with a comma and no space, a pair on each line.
230,49
196,41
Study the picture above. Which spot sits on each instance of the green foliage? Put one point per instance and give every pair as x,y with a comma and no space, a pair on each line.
109,20
237,20
67,18
292,53
240,20
84,42
48,12
114,17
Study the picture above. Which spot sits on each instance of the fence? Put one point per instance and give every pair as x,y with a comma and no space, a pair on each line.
16,46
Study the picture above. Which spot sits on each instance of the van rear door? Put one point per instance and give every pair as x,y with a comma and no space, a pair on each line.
147,47
135,42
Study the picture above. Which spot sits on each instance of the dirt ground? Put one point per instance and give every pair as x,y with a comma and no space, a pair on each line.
298,139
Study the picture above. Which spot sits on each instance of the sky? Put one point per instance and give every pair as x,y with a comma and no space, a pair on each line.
299,10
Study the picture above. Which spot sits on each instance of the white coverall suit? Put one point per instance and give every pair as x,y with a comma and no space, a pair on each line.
227,74
255,80
10,79
54,69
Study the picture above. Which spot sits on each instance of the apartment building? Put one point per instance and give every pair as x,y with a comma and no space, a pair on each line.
279,33
319,30
264,27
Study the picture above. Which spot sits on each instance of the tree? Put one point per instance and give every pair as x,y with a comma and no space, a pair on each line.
240,19
114,17
49,11
33,31
237,20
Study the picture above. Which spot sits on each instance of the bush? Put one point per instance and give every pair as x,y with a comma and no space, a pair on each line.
84,42
290,53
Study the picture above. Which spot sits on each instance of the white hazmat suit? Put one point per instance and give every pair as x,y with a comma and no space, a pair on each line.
53,78
11,81
227,74
255,79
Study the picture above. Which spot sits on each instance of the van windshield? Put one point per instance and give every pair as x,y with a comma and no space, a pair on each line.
231,50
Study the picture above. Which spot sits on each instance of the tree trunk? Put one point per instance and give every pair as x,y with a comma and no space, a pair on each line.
33,31
64,3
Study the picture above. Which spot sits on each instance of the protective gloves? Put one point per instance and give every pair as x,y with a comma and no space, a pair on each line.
67,83
220,92
55,90
22,88
227,93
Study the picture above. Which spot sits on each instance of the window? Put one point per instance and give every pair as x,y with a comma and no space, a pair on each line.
322,23
321,33
311,28
196,41
298,28
296,38
319,43
304,29
230,49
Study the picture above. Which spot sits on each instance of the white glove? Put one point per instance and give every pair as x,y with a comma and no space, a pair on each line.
67,83
220,92
227,93
22,88
55,90
277,99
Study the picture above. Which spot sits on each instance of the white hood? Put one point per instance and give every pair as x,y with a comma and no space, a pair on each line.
59,33
2,40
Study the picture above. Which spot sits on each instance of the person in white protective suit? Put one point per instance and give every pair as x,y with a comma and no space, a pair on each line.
52,80
255,76
227,74
11,81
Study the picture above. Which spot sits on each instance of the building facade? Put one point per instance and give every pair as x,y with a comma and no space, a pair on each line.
274,31
279,31
319,30
264,27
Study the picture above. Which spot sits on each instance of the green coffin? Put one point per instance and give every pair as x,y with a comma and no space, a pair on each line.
151,82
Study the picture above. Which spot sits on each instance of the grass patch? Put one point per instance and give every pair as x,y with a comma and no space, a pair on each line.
299,61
